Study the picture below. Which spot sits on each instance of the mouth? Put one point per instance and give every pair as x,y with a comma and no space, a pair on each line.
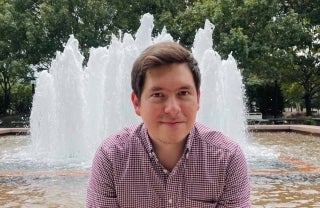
171,123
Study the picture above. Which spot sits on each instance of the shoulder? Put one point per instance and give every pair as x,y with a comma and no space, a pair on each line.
217,148
122,139
122,150
214,139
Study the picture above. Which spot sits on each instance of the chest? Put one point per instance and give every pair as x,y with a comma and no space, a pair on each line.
191,183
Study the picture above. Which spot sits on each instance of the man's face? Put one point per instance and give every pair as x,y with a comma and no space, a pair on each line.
169,103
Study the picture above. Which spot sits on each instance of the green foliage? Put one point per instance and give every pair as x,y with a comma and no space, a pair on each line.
55,21
271,40
266,98
293,92
309,121
266,38
13,62
183,23
21,99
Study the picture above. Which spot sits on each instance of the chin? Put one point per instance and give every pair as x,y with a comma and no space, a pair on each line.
176,138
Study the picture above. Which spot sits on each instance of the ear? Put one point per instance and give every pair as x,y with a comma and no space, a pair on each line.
136,103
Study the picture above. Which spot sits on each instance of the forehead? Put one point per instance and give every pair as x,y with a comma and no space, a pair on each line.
169,76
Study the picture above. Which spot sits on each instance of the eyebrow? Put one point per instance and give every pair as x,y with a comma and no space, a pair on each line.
155,88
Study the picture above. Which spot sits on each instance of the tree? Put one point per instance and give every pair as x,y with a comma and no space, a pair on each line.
13,65
54,21
272,101
305,71
183,21
302,44
92,22
32,31
266,38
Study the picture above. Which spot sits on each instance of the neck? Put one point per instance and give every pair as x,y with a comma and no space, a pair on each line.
168,154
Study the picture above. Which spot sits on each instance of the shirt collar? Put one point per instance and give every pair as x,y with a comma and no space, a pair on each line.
144,136
190,140
145,139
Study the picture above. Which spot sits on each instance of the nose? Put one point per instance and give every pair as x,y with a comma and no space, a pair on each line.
172,106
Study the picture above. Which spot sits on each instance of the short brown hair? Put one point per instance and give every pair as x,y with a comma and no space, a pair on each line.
160,54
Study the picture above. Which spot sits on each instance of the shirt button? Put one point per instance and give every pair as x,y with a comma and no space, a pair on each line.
165,171
170,201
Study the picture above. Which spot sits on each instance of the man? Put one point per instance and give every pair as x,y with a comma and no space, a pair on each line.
169,160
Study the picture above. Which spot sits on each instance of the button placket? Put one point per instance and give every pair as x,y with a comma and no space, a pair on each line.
165,171
170,201
172,190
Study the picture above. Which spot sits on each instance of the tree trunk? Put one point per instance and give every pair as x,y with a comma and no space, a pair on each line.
307,101
6,97
275,100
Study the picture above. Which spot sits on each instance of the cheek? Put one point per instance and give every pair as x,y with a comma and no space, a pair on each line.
192,107
151,113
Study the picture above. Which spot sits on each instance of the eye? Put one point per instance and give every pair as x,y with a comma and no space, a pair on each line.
157,94
183,92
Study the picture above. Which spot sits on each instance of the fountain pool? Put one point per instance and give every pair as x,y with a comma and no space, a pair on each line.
292,180
296,184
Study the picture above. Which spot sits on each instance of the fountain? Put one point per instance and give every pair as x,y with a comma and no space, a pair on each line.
75,107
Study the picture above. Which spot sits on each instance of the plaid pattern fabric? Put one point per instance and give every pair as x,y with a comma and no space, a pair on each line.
126,173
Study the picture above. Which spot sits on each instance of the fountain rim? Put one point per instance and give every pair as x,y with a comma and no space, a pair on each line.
301,166
297,128
306,129
14,131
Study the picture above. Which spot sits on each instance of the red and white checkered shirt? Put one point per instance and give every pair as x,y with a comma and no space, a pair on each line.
126,173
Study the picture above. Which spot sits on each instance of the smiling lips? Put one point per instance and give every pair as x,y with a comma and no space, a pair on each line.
171,123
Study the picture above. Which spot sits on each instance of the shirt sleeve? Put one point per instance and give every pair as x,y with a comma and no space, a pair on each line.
236,191
101,190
